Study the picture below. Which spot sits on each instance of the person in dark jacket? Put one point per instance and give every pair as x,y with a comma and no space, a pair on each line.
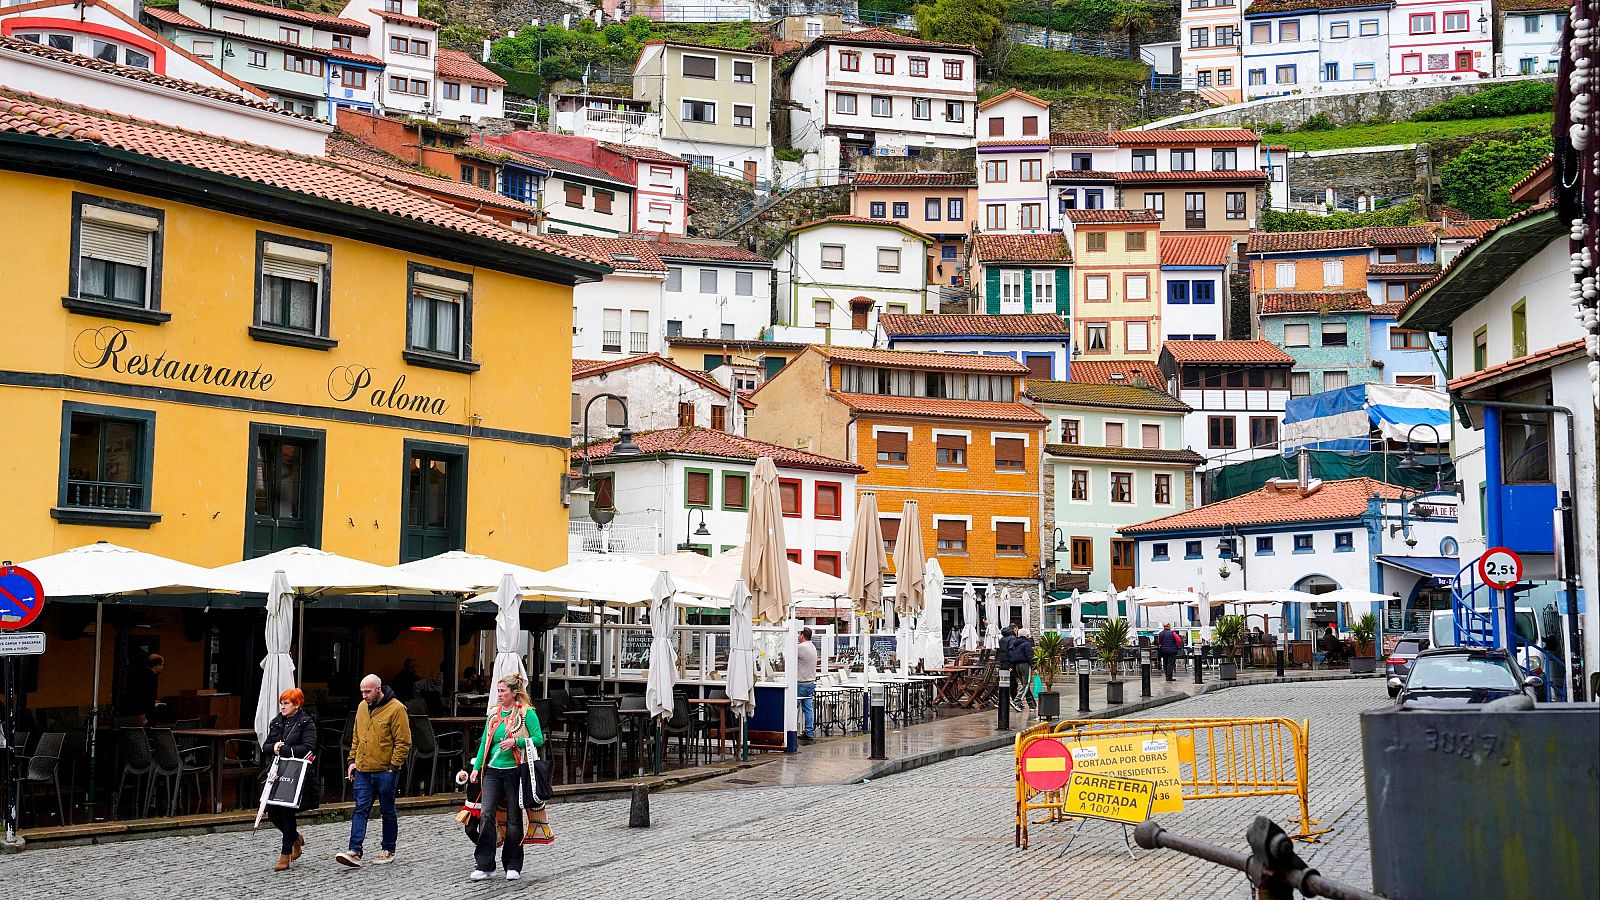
1170,646
293,733
1021,656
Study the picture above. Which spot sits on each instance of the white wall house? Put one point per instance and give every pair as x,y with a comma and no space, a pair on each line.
418,78
658,393
661,189
1237,391
1530,36
619,315
880,93
835,276
1281,49
715,105
1429,41
1209,37
1195,179
686,477
467,90
578,199
715,290
1194,287
1013,161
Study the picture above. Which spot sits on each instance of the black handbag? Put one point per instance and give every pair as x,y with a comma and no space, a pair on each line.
542,790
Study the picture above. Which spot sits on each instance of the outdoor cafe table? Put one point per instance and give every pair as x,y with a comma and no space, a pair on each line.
576,721
722,705
954,681
216,737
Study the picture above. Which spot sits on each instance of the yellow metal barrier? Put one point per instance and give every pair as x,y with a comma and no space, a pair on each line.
1219,759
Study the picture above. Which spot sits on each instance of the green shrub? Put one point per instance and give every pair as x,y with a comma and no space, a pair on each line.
789,154
556,53
1478,181
1280,220
1318,122
1500,100
975,23
1086,17
1027,66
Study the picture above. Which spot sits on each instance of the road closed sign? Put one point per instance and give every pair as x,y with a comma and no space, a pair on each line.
1046,765
1109,797
1146,757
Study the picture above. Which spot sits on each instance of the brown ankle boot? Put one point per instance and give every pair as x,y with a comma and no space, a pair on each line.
283,862
299,844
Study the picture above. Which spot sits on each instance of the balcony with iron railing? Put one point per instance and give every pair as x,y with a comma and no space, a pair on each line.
610,341
105,495
584,536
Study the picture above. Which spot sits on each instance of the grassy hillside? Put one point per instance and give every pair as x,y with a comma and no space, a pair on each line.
1404,132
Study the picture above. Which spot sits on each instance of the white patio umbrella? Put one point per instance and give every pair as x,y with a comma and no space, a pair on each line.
991,611
969,617
507,630
663,657
764,573
610,580
928,647
277,669
1027,614
741,661
470,573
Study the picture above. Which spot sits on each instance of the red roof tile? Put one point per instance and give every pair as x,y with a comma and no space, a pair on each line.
1380,270
1013,92
1103,371
1036,324
589,367
1112,217
922,359
1280,302
1277,504
321,177
1121,395
989,410
916,179
143,75
614,251
1196,250
707,250
1467,254
644,153
581,367
455,64
170,16
1474,229
320,20
413,21
1228,175
720,444
1244,352
1279,6
1399,235
861,220
1532,361
1541,174
1196,136
422,181
1080,139
1050,247
177,19
1296,241
1533,5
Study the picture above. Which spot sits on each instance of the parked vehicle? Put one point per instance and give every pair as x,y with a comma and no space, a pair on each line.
1398,664
1462,676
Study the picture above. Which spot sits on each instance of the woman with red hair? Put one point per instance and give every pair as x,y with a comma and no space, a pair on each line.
293,733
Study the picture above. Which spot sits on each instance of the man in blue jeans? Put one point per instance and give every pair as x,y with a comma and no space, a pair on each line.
379,746
805,676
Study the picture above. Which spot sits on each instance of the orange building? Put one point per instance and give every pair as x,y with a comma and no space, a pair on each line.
945,429
938,204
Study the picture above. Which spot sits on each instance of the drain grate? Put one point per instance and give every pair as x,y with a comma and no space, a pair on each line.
742,781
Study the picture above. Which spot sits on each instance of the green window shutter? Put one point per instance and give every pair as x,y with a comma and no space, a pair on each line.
713,360
991,290
1027,290
773,364
1064,290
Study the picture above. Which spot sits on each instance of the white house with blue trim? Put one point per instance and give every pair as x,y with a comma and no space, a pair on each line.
1294,46
1530,36
1040,341
1194,286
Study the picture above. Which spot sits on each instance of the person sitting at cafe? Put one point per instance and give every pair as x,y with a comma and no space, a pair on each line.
1331,645
1257,636
405,683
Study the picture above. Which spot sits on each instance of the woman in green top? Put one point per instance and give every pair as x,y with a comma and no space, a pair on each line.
510,737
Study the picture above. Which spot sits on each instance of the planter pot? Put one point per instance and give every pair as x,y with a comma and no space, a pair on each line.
1049,705
1113,693
1363,665
1230,670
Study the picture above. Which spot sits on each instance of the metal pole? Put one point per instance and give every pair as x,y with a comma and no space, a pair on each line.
10,725
1083,689
1003,700
94,705
1199,659
877,706
1144,673
1569,555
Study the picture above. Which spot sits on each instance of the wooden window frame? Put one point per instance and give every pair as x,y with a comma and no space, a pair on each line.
838,501
799,497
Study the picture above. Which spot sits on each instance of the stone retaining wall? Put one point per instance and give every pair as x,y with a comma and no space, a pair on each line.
1391,104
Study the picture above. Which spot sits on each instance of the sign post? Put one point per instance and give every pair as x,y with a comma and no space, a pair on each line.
21,601
1501,569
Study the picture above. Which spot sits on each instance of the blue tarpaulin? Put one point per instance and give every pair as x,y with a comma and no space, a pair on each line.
1350,418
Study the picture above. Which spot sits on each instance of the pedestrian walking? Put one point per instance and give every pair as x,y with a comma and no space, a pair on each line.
805,676
1169,644
293,734
511,738
378,748
1021,653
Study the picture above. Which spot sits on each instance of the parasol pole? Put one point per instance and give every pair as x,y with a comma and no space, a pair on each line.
94,701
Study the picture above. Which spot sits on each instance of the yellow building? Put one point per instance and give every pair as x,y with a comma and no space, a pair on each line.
1116,283
215,350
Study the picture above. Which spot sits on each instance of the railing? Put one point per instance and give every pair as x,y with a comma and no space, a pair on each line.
638,342
630,540
105,494
526,110
1473,627
1057,40
850,12
811,178
673,12
611,342
725,171
616,117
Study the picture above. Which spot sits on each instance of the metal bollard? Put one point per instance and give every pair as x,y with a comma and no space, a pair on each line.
639,811
1083,685
878,703
1199,660
1280,661
1273,866
1144,673
1003,700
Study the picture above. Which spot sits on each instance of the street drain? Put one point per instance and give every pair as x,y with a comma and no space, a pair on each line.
742,781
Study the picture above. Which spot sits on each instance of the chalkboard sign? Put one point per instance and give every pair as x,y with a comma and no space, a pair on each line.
636,649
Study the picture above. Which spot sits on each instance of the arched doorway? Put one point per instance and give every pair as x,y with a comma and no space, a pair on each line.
1317,616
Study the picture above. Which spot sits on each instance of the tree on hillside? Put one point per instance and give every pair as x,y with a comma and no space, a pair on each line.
1131,22
1478,181
975,23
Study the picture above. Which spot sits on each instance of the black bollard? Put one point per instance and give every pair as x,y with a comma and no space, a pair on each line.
1280,661
639,811
1199,677
1144,677
878,743
1083,690
1003,700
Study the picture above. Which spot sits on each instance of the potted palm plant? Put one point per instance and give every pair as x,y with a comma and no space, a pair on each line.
1228,633
1047,665
1108,644
1364,630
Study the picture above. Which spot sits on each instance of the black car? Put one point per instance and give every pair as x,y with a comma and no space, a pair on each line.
1461,676
1398,664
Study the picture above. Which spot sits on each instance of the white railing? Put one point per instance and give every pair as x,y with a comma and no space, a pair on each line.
610,341
584,536
616,117
638,342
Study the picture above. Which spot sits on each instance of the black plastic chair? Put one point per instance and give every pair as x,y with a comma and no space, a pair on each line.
137,763
42,769
602,728
685,727
171,768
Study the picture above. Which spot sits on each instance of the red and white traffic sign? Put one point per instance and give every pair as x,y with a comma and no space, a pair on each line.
1046,765
1500,568
21,598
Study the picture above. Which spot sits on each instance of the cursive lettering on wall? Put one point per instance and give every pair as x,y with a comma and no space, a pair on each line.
107,347
347,384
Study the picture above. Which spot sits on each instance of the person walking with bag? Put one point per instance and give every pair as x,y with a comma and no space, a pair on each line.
1170,647
379,746
503,765
293,734
1021,653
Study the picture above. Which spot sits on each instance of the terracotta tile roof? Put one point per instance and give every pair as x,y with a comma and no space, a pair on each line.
1228,175
1399,235
923,359
170,16
1474,229
612,250
1532,5
1533,361
988,410
1380,270
1196,250
1260,7
179,20
1542,171
1297,241
1081,175
1279,302
422,181
1125,454
917,179
352,148
932,325
320,20
690,45
1274,505
720,445
1390,310
1032,143
413,21
861,220
1244,352
1080,139
1467,254
1117,396
644,153
1112,217
1050,247
1014,92
455,64
143,75
590,367
883,36
691,249
1105,371
320,177
1196,136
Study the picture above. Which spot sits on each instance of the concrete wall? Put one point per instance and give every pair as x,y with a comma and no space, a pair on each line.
1393,104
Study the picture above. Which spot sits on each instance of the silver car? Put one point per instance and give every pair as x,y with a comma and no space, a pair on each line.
1398,664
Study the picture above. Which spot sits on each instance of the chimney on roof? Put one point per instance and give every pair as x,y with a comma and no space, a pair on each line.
1140,381
1303,470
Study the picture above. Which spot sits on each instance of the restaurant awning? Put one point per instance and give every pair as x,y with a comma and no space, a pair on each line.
1442,569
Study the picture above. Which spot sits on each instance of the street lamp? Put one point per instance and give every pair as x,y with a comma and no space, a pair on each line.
698,532
624,447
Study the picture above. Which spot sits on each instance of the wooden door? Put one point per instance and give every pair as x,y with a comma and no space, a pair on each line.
750,171
1121,564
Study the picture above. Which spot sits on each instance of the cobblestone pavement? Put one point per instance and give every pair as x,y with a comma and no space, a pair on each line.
939,832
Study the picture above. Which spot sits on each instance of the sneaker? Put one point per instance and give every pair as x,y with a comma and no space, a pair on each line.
386,856
349,858
480,875
513,875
